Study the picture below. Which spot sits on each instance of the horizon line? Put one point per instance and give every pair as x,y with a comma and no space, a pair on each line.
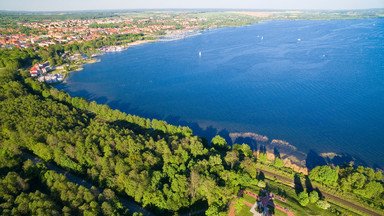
201,9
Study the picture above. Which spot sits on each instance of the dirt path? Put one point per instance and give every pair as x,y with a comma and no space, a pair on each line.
325,194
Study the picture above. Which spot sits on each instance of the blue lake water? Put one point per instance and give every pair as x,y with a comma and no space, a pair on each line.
316,84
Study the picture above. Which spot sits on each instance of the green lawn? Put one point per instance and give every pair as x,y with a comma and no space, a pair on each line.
245,211
249,199
279,213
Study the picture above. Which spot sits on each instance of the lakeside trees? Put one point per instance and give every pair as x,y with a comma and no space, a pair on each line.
161,166
324,174
363,182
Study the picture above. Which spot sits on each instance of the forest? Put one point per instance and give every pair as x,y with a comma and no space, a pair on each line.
27,188
163,167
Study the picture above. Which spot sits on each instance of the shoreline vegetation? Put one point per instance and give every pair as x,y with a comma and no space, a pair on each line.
165,168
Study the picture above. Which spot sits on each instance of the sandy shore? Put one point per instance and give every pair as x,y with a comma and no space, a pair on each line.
140,42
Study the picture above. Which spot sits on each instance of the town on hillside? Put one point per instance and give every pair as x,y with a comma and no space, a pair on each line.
64,44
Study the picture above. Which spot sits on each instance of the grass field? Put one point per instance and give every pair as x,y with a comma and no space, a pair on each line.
249,198
245,211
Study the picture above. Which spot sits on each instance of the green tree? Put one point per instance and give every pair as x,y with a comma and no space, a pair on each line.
232,157
219,143
261,184
212,210
246,149
239,204
263,157
313,197
303,198
324,174
194,183
249,166
197,148
278,162
371,190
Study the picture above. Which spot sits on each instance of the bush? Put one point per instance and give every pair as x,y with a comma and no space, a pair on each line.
261,184
323,204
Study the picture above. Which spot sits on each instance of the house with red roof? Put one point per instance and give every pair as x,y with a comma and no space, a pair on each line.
37,69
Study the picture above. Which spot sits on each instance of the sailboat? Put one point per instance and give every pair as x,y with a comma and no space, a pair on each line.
200,53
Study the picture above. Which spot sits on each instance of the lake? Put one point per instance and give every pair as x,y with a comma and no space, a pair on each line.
319,85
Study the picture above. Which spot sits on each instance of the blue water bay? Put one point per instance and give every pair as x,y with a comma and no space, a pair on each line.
317,84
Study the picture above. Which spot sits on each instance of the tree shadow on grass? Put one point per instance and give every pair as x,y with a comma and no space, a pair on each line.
308,184
298,185
261,176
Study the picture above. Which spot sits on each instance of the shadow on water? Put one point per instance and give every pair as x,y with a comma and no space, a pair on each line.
313,160
247,140
276,152
225,134
343,158
263,149
208,133
129,109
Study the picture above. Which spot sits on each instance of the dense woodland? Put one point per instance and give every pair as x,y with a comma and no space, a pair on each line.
161,166
27,188
155,163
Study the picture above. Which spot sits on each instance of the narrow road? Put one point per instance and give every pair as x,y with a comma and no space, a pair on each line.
325,194
133,207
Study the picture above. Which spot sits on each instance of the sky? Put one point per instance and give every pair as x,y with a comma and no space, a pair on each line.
65,5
